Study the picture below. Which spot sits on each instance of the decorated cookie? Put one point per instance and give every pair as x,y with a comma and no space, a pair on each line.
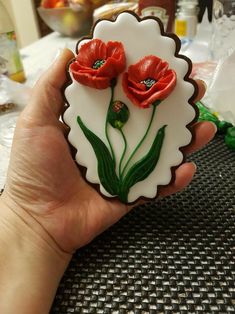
129,105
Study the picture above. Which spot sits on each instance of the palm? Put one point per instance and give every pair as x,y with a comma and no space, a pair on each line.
62,200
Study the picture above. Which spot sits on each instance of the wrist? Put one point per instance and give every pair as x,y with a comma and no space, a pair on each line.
31,263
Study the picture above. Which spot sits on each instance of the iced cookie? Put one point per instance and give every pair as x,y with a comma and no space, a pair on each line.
129,105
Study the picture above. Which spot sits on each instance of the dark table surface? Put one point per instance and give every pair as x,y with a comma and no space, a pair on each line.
176,255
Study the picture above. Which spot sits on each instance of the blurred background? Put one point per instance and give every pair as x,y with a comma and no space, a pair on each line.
29,26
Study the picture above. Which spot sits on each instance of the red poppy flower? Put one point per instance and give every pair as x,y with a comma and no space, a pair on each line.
148,81
98,63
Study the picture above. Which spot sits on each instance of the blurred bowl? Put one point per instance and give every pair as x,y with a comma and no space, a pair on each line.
67,21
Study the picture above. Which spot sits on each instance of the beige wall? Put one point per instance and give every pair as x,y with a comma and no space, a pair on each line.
23,16
7,4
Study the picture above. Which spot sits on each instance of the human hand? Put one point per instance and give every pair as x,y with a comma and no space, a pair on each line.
45,183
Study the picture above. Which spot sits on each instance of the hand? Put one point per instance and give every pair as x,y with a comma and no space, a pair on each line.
44,182
47,210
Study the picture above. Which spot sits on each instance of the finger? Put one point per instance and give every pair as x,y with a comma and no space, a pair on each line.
56,73
183,176
46,101
201,90
64,128
203,134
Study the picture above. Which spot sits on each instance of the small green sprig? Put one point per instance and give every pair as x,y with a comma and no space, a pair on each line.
223,127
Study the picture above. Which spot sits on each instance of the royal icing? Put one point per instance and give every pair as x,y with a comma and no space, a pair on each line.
128,107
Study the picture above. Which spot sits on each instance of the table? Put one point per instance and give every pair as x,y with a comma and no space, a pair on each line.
173,256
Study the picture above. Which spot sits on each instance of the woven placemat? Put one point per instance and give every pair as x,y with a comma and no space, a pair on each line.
173,256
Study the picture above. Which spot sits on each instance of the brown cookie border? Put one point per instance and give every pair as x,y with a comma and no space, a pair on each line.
190,101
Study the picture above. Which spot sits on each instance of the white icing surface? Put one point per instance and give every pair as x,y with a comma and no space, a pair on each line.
139,39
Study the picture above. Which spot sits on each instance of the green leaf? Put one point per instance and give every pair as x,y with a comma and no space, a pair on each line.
106,166
142,168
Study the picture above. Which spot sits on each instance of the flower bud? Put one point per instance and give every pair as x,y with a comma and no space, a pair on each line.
118,114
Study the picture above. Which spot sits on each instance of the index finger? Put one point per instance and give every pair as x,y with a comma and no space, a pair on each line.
201,90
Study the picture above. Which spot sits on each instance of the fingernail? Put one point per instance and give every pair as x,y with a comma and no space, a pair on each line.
195,166
58,54
214,126
61,52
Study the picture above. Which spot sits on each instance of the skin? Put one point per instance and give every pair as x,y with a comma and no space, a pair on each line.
47,210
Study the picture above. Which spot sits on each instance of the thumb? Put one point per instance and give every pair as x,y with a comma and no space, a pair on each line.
46,101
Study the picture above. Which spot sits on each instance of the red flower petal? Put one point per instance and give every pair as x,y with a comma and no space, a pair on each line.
150,67
91,81
159,86
115,50
75,67
90,52
114,59
159,91
146,67
138,86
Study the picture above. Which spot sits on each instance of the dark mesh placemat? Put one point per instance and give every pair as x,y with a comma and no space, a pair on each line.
174,256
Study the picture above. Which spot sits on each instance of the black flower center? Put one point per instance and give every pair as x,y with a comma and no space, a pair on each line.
149,82
97,64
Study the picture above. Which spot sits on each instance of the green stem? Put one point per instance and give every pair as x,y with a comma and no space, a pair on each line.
123,154
142,140
106,122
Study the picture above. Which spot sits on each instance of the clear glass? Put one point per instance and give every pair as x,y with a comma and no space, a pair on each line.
7,127
8,123
223,41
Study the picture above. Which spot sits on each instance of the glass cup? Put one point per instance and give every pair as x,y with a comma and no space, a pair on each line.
7,128
223,39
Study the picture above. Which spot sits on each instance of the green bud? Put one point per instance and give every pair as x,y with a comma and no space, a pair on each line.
118,114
